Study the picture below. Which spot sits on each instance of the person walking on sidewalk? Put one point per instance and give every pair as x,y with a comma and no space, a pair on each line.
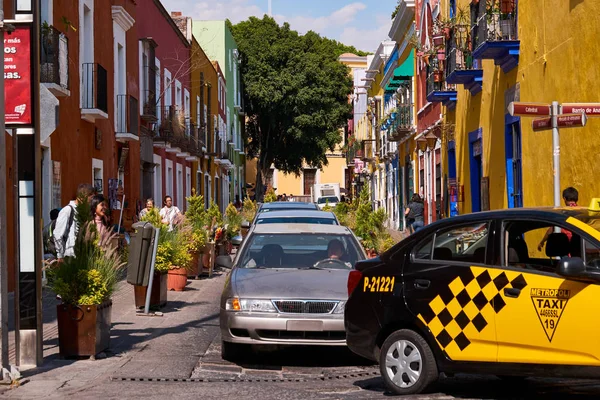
149,206
65,231
571,197
169,212
99,208
414,214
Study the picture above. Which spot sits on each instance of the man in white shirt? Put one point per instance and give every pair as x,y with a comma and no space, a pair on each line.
169,212
65,231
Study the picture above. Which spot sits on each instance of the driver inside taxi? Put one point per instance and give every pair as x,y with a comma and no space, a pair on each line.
335,249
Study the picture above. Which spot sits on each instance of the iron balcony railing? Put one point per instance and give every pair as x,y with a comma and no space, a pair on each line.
496,25
127,115
149,111
172,123
458,53
94,87
54,57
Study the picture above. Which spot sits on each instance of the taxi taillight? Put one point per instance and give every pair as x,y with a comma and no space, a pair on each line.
354,279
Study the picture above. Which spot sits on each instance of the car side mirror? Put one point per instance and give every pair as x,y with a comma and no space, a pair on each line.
574,268
237,240
245,225
224,262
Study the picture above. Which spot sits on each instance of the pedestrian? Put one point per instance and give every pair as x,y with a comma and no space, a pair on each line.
169,212
284,198
99,208
414,214
48,231
65,231
570,197
238,203
291,198
149,207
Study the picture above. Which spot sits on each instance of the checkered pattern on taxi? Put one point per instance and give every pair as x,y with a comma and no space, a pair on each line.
464,307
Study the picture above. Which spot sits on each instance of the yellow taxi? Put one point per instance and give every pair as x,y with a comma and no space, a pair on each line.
509,292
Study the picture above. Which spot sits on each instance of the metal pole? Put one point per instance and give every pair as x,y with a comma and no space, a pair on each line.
556,153
151,277
3,215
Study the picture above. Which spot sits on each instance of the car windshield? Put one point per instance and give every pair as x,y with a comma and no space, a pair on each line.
330,199
297,220
300,251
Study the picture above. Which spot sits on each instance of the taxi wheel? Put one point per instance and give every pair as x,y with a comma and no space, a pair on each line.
406,362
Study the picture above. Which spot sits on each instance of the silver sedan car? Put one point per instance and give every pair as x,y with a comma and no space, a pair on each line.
288,285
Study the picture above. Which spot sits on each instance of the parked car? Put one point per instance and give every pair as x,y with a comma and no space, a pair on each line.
479,293
288,286
297,217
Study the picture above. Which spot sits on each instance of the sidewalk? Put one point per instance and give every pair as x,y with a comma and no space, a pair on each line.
167,346
397,235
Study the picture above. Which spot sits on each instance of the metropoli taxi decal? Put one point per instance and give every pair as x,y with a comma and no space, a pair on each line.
549,305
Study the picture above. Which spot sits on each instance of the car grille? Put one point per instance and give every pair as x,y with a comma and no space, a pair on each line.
301,335
305,306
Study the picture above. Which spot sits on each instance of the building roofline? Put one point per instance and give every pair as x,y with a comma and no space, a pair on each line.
166,14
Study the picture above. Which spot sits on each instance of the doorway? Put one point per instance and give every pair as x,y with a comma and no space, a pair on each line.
476,168
513,152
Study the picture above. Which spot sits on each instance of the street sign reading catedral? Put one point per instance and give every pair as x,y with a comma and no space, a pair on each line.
590,109
515,108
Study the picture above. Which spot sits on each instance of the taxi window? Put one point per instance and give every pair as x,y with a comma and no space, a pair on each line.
592,255
465,243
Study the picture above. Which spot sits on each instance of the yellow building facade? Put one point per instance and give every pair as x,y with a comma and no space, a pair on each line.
520,51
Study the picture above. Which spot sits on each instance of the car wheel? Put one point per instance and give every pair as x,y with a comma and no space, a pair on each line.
231,351
406,362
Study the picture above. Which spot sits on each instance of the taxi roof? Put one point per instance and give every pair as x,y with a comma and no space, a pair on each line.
301,228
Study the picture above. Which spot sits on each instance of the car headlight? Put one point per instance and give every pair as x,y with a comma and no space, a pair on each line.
339,309
251,305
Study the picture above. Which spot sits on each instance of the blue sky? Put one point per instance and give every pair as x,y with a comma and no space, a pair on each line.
361,23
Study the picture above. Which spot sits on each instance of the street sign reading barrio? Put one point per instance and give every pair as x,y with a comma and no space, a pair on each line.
590,109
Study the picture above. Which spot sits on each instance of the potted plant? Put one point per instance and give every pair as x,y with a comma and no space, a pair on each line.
507,6
195,216
158,295
233,224
85,283
173,255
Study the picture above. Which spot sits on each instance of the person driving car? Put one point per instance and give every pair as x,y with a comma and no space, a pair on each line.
335,249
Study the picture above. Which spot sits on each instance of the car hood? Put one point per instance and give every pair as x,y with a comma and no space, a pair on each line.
312,284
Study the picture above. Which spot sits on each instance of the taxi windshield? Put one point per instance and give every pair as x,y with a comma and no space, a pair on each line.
300,251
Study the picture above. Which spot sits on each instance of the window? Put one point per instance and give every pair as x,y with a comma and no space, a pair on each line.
310,177
464,244
591,255
423,252
157,179
169,179
168,89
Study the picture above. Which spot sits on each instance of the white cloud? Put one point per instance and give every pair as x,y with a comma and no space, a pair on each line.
367,39
335,25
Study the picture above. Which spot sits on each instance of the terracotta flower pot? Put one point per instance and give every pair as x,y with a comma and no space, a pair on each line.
158,296
437,76
194,270
507,6
83,330
177,279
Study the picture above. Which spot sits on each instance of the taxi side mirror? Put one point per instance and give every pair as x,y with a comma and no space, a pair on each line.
574,268
237,240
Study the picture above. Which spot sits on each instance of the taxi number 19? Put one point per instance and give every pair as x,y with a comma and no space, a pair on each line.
379,284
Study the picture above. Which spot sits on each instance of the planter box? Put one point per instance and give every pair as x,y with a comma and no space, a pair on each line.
194,270
83,330
158,297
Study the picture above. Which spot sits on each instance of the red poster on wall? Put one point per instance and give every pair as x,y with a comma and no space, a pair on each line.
17,76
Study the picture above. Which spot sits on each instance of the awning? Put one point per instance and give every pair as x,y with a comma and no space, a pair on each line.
402,73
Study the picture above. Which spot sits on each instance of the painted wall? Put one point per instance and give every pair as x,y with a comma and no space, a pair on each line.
555,64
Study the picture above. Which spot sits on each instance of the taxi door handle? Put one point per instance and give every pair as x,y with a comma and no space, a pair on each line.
422,284
512,292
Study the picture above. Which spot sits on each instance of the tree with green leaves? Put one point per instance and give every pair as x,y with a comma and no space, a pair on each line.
296,95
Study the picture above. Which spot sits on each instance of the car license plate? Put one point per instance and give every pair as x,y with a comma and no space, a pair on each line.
313,326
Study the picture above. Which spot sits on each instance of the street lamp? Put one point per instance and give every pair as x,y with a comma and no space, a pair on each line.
431,140
422,144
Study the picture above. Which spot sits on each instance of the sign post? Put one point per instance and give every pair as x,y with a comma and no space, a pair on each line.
22,94
555,116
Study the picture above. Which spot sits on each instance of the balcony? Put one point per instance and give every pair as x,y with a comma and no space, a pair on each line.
438,90
94,99
461,67
54,69
497,34
149,111
171,130
128,124
402,126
